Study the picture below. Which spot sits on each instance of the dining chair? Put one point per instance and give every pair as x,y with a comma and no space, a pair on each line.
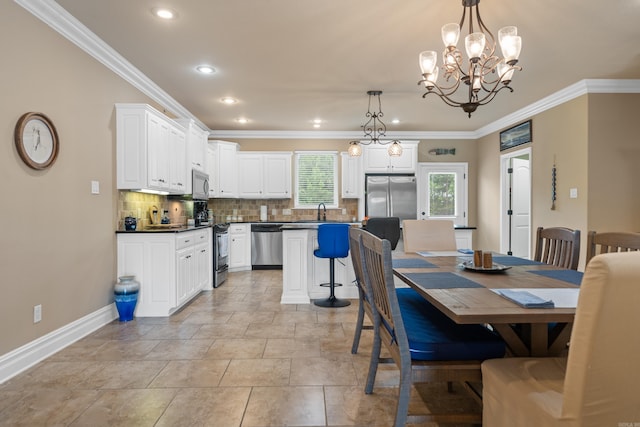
426,345
364,302
558,246
621,241
598,383
428,235
385,228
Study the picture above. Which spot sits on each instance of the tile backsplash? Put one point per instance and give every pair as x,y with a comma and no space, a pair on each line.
140,206
249,210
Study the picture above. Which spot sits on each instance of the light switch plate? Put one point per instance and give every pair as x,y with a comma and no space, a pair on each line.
573,193
95,187
286,211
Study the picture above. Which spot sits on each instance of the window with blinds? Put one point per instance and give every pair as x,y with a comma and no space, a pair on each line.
316,179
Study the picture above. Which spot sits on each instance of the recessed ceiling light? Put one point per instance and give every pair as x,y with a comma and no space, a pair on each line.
206,69
317,121
228,100
242,120
316,125
164,13
395,121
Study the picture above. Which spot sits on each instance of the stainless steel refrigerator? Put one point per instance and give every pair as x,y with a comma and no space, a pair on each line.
391,195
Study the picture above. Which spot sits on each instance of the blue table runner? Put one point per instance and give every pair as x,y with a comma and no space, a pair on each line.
412,263
514,260
569,276
442,281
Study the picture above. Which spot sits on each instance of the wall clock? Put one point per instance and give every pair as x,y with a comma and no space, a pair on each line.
36,140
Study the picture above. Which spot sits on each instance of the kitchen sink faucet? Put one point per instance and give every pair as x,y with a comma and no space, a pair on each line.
324,214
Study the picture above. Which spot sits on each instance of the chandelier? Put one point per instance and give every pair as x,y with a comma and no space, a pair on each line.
483,74
374,129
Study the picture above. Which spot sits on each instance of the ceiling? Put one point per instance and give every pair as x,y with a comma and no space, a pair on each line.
289,62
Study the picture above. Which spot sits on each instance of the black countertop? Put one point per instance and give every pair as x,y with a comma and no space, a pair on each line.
175,229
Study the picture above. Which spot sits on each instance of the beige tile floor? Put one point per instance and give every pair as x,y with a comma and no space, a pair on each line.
234,357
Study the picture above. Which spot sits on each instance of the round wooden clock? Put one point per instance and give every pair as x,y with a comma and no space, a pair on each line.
36,140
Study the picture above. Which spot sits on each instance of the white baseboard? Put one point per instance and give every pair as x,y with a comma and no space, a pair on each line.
22,358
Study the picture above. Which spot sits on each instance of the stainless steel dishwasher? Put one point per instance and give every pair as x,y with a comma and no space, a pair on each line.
266,246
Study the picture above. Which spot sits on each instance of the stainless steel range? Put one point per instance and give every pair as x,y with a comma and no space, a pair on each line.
220,253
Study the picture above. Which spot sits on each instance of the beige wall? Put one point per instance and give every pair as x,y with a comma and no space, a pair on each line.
58,241
614,163
593,140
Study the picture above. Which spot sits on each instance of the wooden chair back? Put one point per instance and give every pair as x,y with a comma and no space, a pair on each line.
364,305
602,243
558,246
428,235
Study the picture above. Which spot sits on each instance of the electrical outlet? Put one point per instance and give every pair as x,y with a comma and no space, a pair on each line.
37,313
286,211
344,211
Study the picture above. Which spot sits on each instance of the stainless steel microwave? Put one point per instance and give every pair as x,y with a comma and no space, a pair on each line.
200,185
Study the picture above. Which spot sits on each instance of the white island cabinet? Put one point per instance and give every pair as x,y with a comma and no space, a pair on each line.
171,268
303,272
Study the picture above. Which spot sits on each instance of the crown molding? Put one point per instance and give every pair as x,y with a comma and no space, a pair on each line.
580,88
55,16
350,135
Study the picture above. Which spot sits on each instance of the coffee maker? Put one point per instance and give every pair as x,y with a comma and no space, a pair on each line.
200,213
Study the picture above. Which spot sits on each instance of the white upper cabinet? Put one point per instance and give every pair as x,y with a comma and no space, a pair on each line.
377,159
223,176
148,143
212,170
352,176
264,175
277,175
178,162
196,145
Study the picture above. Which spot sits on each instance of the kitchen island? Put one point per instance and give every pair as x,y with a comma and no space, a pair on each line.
302,272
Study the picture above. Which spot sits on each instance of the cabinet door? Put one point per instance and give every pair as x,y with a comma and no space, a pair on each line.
250,176
352,176
158,153
277,176
406,163
212,170
197,148
376,159
177,161
184,270
203,262
239,246
228,171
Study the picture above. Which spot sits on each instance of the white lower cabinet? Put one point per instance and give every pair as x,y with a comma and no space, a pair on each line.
239,247
170,267
464,238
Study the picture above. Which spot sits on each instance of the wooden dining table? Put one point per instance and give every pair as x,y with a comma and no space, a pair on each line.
465,296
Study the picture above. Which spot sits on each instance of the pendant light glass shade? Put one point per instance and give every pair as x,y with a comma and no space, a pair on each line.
395,149
355,149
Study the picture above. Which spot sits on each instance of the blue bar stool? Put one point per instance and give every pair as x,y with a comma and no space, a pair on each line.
333,240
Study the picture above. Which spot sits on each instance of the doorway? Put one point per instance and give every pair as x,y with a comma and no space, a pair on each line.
515,203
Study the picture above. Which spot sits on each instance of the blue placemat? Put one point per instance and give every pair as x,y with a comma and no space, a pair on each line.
525,299
442,280
412,263
570,276
514,260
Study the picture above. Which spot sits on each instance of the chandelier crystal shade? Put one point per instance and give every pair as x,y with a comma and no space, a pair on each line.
483,74
374,130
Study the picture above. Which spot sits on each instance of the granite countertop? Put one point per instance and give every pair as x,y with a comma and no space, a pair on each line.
169,229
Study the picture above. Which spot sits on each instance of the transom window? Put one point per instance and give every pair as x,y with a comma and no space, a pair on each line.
316,179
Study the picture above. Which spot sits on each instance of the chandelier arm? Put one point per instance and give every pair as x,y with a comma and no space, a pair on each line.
489,96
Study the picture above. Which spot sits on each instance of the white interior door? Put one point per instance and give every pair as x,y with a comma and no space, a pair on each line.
516,203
